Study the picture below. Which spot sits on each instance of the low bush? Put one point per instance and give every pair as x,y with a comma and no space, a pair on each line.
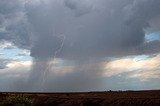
17,100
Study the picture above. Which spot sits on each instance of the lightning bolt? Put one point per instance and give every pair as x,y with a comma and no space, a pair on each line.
62,37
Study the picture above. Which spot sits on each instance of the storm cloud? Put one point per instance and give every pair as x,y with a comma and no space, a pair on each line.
106,27
82,33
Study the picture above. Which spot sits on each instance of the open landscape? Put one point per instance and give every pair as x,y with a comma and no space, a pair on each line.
108,98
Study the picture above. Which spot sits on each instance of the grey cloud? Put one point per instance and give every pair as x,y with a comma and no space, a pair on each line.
23,54
43,21
154,24
151,47
1,20
14,23
6,45
19,34
80,7
8,6
118,26
3,63
99,29
141,11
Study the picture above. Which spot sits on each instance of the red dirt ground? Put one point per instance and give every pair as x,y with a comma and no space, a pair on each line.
110,98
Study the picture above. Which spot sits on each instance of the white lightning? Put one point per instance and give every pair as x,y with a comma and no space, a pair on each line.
62,37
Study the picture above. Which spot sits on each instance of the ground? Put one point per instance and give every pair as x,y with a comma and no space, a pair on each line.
108,98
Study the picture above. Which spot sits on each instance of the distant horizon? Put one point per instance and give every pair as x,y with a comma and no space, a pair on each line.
77,92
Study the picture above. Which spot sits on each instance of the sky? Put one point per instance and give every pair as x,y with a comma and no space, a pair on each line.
79,45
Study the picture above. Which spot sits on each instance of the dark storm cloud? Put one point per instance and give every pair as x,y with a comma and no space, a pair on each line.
116,28
98,28
43,21
91,30
154,24
141,11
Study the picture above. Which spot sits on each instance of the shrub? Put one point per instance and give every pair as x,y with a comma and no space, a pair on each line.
15,100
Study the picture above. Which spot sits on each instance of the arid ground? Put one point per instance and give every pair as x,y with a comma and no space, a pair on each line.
108,98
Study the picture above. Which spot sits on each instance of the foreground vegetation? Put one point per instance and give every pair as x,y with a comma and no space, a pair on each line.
16,101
